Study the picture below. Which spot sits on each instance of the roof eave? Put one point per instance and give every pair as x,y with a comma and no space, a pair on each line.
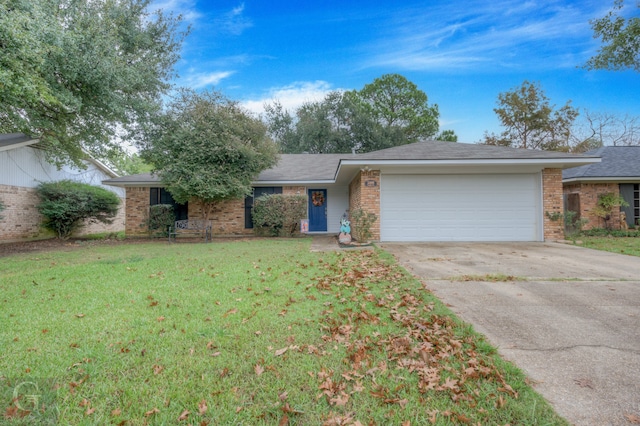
607,179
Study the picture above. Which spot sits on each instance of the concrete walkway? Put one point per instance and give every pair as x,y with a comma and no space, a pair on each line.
568,316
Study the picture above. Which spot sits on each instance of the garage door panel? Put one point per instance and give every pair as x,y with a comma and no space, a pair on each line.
460,207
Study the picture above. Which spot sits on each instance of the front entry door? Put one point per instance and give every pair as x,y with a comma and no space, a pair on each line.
317,210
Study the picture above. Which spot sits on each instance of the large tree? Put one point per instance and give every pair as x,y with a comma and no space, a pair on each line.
390,111
396,102
621,40
79,74
206,147
529,120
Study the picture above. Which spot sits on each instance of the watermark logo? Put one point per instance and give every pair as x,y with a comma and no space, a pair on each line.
28,401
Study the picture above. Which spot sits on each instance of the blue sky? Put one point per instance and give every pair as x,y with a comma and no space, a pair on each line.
461,54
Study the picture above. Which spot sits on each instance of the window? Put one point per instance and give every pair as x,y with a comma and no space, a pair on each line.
161,196
248,202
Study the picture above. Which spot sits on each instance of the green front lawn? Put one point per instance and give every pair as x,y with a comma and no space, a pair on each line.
624,245
246,332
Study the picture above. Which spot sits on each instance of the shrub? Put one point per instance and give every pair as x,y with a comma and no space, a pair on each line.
607,232
279,215
66,204
161,218
606,203
361,222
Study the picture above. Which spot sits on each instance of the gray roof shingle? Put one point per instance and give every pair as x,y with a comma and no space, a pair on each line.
321,167
617,161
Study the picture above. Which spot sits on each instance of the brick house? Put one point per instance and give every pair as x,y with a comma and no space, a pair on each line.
22,168
426,191
617,173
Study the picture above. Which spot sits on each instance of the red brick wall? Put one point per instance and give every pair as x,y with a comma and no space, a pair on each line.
227,217
137,205
589,193
21,219
552,203
364,193
294,190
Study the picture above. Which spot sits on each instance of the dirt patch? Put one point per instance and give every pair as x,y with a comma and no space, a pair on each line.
54,244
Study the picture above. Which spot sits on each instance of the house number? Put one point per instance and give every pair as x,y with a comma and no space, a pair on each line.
370,183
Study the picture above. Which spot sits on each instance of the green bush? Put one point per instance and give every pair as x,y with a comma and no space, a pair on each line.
278,215
361,222
66,204
161,218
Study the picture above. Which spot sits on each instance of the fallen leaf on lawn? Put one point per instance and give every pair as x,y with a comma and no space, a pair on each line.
283,395
340,400
79,315
281,351
160,319
84,402
89,411
238,409
157,369
184,415
151,412
284,421
230,312
116,412
258,369
202,407
216,354
257,333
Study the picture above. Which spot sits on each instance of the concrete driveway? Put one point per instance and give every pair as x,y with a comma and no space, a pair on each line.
568,316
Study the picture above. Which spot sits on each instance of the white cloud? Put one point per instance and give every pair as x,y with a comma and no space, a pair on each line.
506,32
291,96
233,22
200,80
186,8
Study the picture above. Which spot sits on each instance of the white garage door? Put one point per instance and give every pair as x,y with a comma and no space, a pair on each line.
503,207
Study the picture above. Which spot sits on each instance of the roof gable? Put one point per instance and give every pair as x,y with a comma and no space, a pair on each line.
10,141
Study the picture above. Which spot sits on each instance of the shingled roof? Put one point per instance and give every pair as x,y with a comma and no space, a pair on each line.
617,162
305,168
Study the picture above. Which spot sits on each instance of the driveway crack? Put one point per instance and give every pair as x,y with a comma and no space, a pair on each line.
567,348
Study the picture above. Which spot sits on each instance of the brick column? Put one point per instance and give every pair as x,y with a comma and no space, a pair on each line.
364,193
552,203
137,211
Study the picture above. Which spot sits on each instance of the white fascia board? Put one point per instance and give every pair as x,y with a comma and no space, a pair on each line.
460,162
143,184
293,182
19,145
618,179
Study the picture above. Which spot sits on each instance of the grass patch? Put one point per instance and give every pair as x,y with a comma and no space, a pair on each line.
623,245
249,332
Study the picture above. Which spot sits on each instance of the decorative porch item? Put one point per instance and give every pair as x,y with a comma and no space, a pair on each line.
317,198
345,231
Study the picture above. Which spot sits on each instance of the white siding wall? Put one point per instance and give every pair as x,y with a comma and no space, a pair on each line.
337,205
26,167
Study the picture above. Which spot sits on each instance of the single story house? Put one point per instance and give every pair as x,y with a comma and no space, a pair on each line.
426,191
23,167
617,173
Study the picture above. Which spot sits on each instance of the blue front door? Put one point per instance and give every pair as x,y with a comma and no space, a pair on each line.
317,210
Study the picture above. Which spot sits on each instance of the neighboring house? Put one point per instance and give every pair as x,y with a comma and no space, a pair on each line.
22,168
618,173
426,191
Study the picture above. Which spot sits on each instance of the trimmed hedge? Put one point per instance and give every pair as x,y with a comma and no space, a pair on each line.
66,204
278,215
